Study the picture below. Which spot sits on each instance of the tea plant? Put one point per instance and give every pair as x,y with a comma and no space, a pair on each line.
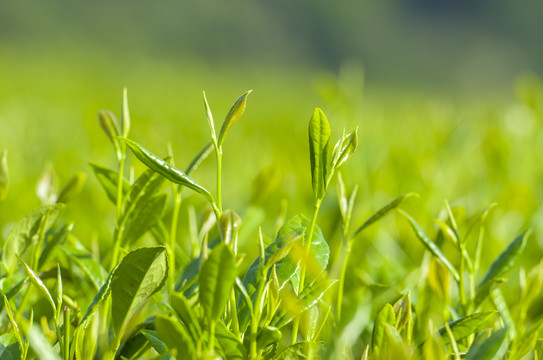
151,298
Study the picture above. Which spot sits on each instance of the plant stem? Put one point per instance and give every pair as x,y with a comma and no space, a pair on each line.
118,232
66,333
346,254
307,248
219,176
255,319
173,235
212,335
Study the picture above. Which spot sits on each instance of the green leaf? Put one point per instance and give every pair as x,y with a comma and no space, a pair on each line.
14,326
170,172
87,263
4,175
10,352
125,115
38,283
430,245
72,187
20,237
111,128
493,347
38,342
139,275
175,336
384,317
209,117
108,179
52,242
299,351
501,266
217,278
268,335
185,312
156,343
344,148
233,116
522,345
144,217
230,223
465,326
319,145
199,158
231,347
383,212
402,311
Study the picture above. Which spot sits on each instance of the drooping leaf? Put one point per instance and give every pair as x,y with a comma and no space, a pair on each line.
430,245
217,278
319,147
72,187
501,266
233,116
175,336
22,233
170,172
87,263
493,347
384,317
383,212
4,175
465,326
139,275
108,179
144,217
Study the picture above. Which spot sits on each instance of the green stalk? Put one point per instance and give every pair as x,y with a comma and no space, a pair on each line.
345,256
66,333
212,335
255,319
307,249
219,176
173,235
117,241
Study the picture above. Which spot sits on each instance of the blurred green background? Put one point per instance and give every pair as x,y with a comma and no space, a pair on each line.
445,93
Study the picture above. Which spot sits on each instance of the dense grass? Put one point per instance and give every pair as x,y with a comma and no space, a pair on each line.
472,153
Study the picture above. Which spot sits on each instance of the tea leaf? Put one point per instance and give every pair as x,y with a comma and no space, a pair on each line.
199,158
209,117
402,311
4,175
20,236
319,146
384,317
175,336
144,217
522,345
87,263
217,278
383,212
233,116
38,283
163,168
125,115
72,188
493,347
108,179
38,342
185,312
465,326
501,266
153,339
230,223
139,275
109,124
344,148
430,245
14,326
53,242
231,347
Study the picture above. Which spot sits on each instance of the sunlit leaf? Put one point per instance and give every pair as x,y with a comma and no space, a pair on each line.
319,147
233,116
